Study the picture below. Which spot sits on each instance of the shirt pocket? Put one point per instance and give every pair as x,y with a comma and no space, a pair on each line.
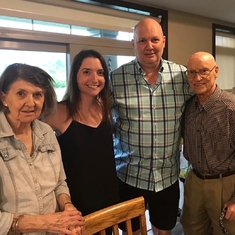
49,161
222,144
10,161
49,150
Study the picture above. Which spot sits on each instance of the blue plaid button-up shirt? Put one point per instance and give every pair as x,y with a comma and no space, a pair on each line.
147,124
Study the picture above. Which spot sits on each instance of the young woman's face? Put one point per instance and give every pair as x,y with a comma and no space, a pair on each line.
90,77
24,101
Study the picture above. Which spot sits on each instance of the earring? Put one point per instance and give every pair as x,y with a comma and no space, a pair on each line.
5,105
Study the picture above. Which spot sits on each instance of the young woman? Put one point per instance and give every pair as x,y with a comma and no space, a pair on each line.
82,123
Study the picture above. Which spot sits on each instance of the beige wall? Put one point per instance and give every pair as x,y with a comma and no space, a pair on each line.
189,33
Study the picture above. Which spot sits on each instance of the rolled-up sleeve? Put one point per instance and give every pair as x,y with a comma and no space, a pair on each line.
62,185
5,222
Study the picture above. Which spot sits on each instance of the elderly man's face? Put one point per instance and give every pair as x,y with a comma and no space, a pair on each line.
202,74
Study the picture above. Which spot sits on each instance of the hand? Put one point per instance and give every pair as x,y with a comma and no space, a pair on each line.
80,230
230,214
65,222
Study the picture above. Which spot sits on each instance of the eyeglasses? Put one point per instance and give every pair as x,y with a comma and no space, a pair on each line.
201,72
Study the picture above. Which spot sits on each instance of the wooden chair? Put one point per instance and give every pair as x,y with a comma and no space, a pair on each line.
98,221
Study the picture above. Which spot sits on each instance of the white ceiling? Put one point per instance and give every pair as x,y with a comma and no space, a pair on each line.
218,9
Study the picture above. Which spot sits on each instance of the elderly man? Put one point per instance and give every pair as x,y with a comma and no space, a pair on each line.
209,145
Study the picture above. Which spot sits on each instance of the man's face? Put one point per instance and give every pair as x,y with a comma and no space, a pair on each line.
202,76
148,44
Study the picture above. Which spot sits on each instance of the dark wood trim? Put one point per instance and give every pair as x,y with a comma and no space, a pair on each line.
164,24
213,40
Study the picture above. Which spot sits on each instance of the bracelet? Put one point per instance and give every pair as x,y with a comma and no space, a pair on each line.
66,204
14,230
17,232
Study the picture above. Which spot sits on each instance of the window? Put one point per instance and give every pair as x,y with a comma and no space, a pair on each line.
121,6
52,62
224,40
45,26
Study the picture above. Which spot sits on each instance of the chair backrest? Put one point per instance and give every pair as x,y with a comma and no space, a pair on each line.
111,216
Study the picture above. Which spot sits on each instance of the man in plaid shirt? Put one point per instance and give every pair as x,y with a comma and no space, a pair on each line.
148,96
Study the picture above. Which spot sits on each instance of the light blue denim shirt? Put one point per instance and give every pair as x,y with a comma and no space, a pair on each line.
29,184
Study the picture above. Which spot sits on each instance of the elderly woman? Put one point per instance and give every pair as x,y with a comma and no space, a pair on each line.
34,197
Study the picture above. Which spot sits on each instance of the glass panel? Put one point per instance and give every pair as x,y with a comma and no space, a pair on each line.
51,27
125,36
115,61
114,6
225,58
225,41
15,22
44,26
52,62
79,30
101,33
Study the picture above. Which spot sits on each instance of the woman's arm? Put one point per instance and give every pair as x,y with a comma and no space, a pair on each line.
58,119
64,202
60,222
52,118
5,222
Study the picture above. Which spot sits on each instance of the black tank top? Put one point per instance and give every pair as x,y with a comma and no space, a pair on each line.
88,159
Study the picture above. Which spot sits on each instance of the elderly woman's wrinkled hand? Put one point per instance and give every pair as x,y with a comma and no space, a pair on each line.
79,230
66,222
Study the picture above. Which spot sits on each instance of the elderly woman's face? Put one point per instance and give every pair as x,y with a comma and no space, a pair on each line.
24,101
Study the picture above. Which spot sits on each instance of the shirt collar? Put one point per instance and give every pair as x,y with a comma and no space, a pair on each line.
6,130
141,71
211,101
